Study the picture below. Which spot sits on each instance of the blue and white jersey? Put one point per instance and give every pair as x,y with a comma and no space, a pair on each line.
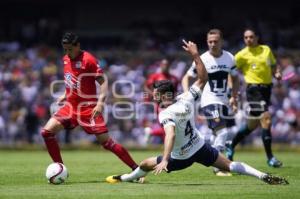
218,69
181,115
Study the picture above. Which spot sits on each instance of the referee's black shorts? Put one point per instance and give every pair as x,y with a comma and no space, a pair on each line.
259,98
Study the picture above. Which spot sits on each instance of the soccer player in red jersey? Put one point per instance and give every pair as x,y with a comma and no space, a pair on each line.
164,74
82,106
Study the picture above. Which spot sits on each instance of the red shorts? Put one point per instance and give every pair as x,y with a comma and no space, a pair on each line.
71,117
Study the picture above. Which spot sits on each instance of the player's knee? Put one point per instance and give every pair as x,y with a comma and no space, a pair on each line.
47,134
266,120
145,165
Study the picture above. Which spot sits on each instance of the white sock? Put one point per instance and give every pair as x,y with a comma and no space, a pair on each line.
137,173
242,168
220,140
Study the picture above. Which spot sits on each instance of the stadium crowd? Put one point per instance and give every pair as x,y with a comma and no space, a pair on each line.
25,83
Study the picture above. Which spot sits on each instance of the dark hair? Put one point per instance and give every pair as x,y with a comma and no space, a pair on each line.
164,86
70,38
252,30
255,32
215,31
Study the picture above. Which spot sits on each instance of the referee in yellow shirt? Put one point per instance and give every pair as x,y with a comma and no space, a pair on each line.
258,65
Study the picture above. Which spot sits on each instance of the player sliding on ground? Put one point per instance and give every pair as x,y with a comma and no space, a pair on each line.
183,144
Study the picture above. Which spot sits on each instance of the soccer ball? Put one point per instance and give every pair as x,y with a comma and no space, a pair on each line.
56,173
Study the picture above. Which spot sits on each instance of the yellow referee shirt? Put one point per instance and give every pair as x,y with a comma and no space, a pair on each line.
256,64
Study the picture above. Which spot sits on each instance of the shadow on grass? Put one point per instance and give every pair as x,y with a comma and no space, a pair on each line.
84,182
193,184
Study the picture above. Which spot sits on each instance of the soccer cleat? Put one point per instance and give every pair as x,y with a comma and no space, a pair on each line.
273,162
229,152
113,179
274,180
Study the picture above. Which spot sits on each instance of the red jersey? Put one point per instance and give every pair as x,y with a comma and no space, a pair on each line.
161,76
79,76
158,77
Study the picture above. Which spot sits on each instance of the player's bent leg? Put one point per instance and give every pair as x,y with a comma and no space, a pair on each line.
148,164
109,144
48,134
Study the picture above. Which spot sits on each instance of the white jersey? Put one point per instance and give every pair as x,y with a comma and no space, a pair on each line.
218,68
181,115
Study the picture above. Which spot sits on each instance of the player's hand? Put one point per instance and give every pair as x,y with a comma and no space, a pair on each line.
234,104
60,100
190,47
97,110
278,75
162,166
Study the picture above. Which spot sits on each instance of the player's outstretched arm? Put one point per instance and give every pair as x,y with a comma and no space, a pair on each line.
168,146
185,82
192,48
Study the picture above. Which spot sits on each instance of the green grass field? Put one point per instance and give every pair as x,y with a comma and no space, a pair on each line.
22,175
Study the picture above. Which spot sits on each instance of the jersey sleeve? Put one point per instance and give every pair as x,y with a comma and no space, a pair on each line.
95,67
166,119
272,58
195,92
192,70
238,61
233,70
192,95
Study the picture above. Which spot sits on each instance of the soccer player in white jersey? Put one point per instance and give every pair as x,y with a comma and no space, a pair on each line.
183,144
215,104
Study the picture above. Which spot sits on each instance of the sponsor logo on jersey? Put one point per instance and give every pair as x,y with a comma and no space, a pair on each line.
65,62
188,146
219,67
69,82
68,79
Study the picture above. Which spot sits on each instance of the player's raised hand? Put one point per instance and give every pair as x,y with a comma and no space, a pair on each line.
190,47
162,166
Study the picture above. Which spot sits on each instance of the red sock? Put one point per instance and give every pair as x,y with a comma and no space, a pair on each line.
121,152
52,145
